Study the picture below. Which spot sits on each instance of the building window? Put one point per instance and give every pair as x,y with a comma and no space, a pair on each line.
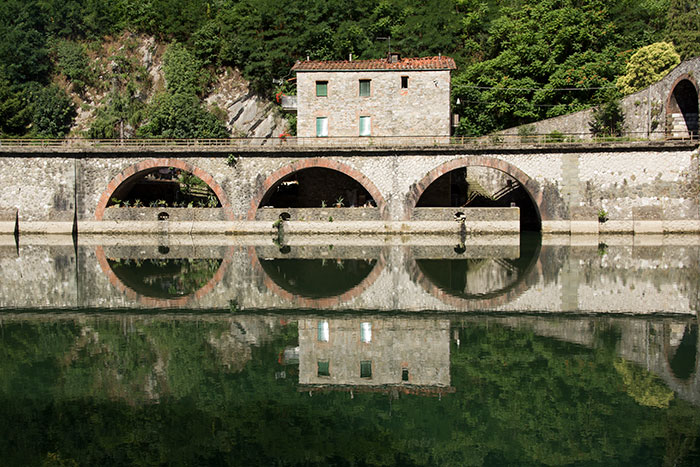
321,88
322,126
324,368
364,87
366,332
365,126
323,331
365,369
404,374
404,82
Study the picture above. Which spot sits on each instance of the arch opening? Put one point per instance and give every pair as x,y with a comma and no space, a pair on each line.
482,187
164,187
682,111
317,187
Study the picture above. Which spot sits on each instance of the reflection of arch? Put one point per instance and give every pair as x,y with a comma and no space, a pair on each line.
316,162
162,302
682,107
529,257
683,360
136,170
315,303
531,186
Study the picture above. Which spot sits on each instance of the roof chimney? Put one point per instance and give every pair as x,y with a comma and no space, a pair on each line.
394,57
351,57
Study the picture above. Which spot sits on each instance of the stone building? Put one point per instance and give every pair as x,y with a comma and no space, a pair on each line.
386,97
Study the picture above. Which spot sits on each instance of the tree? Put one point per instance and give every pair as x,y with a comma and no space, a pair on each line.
53,112
684,27
181,116
647,66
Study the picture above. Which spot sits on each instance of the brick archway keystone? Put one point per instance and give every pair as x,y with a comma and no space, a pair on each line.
310,163
149,164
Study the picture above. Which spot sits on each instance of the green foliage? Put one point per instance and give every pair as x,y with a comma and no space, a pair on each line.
684,27
15,109
647,66
608,119
644,387
180,116
517,60
53,112
73,62
183,72
165,390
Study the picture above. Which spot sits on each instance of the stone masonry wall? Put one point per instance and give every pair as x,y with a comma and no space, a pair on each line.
656,182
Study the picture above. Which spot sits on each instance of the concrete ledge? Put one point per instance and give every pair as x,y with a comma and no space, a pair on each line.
7,227
556,227
622,227
584,227
648,227
690,226
45,227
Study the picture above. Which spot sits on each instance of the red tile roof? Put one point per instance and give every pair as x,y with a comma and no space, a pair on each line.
425,63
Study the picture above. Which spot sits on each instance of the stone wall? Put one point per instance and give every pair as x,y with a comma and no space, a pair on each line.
422,109
642,186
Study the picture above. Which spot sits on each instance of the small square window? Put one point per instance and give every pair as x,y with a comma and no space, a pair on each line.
364,87
322,126
323,332
404,374
324,368
365,369
365,126
404,82
321,88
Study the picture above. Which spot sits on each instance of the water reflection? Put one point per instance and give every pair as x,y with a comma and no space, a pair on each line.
683,350
164,278
374,353
504,275
211,389
317,278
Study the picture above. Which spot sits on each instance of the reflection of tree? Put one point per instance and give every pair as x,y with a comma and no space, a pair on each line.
642,386
165,278
80,390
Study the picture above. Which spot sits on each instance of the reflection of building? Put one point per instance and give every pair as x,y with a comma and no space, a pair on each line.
372,352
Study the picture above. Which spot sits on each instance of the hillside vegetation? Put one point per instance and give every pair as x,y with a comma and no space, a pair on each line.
181,68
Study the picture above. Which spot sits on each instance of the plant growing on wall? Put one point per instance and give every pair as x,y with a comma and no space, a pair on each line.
608,119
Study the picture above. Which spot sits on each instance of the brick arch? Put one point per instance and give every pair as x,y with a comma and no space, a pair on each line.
672,90
317,162
142,166
533,188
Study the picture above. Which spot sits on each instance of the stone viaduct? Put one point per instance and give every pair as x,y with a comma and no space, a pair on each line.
64,186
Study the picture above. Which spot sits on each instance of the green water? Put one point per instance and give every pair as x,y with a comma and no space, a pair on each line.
349,355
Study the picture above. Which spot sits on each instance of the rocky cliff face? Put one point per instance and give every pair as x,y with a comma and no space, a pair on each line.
135,62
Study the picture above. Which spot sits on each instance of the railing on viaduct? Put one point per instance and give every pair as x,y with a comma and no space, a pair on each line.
293,142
